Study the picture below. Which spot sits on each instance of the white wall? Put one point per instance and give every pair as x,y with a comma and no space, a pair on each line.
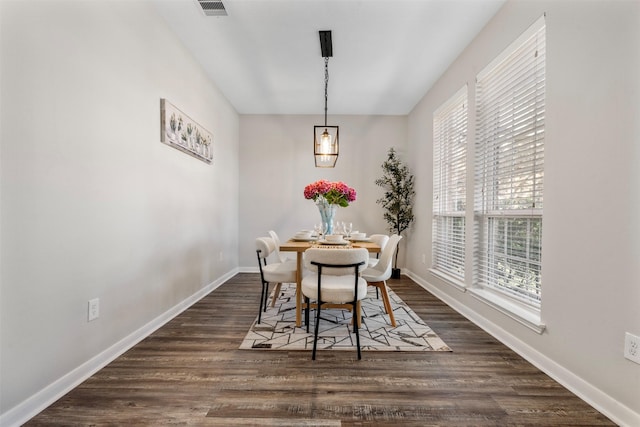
276,163
93,205
591,275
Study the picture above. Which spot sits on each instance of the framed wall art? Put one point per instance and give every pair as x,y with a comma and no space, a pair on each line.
181,132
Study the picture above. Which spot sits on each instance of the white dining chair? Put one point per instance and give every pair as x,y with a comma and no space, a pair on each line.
381,272
275,272
334,281
380,240
281,257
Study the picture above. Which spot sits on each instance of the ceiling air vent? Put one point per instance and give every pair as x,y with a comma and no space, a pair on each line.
213,8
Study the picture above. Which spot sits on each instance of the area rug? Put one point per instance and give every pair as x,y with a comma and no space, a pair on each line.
277,329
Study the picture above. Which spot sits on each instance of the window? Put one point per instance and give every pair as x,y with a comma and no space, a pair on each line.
449,186
509,166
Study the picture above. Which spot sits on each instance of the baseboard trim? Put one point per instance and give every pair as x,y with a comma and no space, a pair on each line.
35,404
614,410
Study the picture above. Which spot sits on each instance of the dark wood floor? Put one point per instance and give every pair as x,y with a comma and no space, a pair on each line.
190,373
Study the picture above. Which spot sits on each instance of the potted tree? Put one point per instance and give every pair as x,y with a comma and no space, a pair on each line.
397,202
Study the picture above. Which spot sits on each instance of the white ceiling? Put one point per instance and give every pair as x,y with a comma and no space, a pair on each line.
265,55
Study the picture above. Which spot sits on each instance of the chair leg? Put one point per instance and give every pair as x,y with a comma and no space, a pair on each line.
262,300
276,294
266,297
306,312
387,303
354,318
315,335
356,326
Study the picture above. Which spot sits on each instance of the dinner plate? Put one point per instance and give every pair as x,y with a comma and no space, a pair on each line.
340,243
304,239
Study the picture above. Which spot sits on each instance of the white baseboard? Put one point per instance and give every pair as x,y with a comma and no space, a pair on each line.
35,404
614,410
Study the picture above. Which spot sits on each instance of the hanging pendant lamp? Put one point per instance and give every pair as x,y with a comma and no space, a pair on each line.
325,138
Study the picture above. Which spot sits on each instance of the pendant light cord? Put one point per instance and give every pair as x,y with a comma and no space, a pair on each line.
326,84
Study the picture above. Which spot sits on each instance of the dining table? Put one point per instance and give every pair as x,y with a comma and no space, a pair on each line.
299,247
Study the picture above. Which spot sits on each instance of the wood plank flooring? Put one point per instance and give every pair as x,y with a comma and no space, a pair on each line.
190,373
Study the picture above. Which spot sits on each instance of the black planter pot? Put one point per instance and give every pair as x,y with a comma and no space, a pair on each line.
395,273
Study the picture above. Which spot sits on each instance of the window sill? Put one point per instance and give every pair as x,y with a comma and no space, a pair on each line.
523,315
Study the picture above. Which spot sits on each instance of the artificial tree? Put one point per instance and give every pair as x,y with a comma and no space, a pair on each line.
397,182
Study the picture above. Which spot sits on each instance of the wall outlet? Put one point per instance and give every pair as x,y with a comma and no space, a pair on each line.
424,259
632,347
220,256
94,309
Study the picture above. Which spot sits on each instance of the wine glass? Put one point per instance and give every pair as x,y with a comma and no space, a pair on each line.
348,228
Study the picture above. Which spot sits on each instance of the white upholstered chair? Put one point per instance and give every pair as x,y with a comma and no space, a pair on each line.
275,272
380,240
281,257
334,281
379,274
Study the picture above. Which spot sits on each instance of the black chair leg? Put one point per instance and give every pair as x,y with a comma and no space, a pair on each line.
356,330
264,299
261,302
315,336
306,313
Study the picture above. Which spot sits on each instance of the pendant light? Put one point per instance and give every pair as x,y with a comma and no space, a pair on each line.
325,138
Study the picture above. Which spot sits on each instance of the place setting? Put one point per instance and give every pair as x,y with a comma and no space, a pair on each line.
338,234
357,236
305,236
322,234
333,239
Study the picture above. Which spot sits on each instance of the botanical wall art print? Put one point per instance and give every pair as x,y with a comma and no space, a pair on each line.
179,131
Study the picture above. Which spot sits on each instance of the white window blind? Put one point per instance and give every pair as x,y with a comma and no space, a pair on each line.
509,162
449,185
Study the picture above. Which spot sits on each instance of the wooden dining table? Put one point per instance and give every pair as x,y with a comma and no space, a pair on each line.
299,247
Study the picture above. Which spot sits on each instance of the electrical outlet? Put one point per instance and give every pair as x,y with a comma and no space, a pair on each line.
424,259
94,309
220,256
632,347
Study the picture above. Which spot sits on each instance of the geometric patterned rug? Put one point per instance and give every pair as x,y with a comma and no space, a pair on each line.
278,331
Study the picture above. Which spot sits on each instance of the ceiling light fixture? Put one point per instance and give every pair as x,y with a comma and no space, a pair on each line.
325,138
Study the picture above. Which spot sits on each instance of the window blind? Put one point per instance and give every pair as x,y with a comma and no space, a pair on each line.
509,166
449,185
